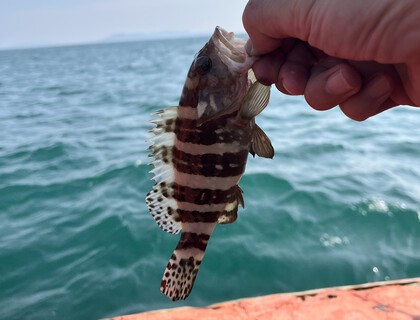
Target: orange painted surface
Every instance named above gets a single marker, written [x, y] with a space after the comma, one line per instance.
[397, 300]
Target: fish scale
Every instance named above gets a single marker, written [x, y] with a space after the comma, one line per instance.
[200, 149]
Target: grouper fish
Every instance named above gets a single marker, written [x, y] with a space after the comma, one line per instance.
[200, 149]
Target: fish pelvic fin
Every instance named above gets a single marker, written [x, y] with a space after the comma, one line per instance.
[160, 200]
[260, 143]
[181, 271]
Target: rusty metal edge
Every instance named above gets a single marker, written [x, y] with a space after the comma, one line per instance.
[361, 286]
[306, 293]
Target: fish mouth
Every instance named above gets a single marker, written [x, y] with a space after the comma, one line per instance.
[232, 50]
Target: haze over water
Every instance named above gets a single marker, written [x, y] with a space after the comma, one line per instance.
[339, 204]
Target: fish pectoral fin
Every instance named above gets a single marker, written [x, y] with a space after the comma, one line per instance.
[261, 144]
[251, 76]
[255, 101]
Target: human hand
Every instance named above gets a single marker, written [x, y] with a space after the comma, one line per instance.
[363, 55]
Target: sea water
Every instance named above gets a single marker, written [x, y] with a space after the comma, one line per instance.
[339, 204]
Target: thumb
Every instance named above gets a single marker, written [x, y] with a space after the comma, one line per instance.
[352, 30]
[264, 21]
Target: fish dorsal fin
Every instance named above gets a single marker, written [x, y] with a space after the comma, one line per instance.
[231, 211]
[255, 101]
[260, 143]
[160, 200]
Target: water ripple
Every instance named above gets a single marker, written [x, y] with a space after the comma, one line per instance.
[339, 203]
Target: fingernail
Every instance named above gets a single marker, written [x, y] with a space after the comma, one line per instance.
[379, 87]
[284, 84]
[337, 84]
[289, 85]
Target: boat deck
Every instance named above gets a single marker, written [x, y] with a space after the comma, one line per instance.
[390, 300]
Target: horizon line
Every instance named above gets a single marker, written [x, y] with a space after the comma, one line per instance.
[118, 38]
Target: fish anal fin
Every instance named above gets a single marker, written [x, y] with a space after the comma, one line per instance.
[261, 144]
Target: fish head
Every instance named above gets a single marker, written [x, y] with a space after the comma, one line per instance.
[218, 76]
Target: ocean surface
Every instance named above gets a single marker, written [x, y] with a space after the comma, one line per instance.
[339, 204]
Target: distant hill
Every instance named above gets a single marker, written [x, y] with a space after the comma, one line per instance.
[121, 37]
[127, 37]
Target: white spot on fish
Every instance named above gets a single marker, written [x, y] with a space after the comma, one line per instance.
[213, 102]
[201, 107]
[231, 206]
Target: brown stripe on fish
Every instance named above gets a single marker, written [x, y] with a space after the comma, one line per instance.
[204, 137]
[187, 129]
[212, 135]
[196, 216]
[210, 165]
[203, 196]
[185, 121]
[193, 240]
[192, 148]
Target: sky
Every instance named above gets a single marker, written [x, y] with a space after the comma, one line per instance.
[49, 22]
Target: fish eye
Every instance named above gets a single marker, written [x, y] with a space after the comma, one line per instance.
[203, 64]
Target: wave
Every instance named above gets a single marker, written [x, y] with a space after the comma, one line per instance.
[337, 205]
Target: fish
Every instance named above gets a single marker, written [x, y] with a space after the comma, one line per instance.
[200, 149]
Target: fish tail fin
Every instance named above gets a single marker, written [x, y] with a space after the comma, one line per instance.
[181, 271]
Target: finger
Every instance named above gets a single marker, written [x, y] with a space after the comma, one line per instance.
[372, 99]
[328, 87]
[268, 44]
[266, 69]
[294, 73]
[388, 104]
[292, 78]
